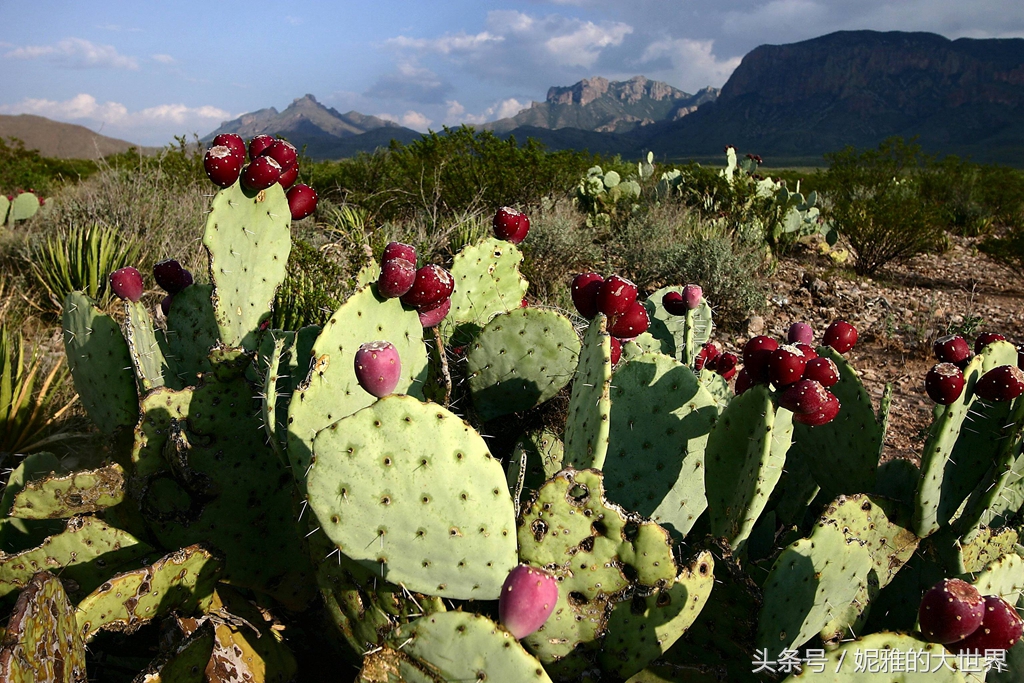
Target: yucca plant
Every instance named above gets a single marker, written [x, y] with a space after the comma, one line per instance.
[81, 258]
[26, 413]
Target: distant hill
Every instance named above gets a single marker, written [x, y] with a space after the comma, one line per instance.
[62, 140]
[324, 132]
[603, 106]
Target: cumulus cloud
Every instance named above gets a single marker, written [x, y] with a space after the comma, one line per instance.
[456, 114]
[691, 64]
[410, 119]
[411, 83]
[76, 53]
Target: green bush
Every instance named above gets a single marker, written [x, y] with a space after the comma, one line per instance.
[313, 288]
[877, 203]
[24, 169]
[559, 247]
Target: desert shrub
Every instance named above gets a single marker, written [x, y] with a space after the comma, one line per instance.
[26, 169]
[877, 205]
[313, 288]
[955, 189]
[559, 247]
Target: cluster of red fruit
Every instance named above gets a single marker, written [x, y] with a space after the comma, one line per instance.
[945, 381]
[126, 283]
[20, 192]
[956, 615]
[271, 160]
[428, 289]
[510, 225]
[616, 298]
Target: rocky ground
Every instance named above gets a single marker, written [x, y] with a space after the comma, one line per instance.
[899, 314]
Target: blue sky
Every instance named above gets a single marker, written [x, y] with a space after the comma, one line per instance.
[146, 71]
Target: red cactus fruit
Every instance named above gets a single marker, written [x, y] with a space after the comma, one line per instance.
[674, 303]
[632, 323]
[986, 338]
[951, 349]
[399, 250]
[786, 365]
[527, 599]
[725, 365]
[692, 295]
[1003, 383]
[232, 142]
[827, 413]
[807, 350]
[841, 336]
[743, 381]
[510, 225]
[616, 350]
[430, 316]
[756, 355]
[259, 144]
[707, 357]
[800, 333]
[288, 176]
[396, 278]
[165, 304]
[584, 289]
[302, 201]
[950, 611]
[524, 303]
[126, 284]
[944, 383]
[283, 152]
[378, 367]
[222, 166]
[616, 295]
[1001, 627]
[433, 285]
[823, 371]
[261, 174]
[171, 276]
[805, 397]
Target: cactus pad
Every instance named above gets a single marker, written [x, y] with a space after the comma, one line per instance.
[187, 662]
[890, 653]
[536, 457]
[586, 427]
[58, 496]
[411, 490]
[41, 642]
[23, 207]
[877, 524]
[192, 331]
[1004, 577]
[487, 282]
[660, 421]
[144, 344]
[668, 327]
[100, 364]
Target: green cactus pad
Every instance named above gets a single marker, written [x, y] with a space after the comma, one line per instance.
[274, 423]
[1014, 666]
[100, 364]
[192, 331]
[248, 238]
[455, 646]
[331, 391]
[645, 343]
[598, 552]
[812, 582]
[877, 524]
[5, 206]
[519, 360]
[843, 454]
[888, 654]
[744, 458]
[187, 662]
[660, 421]
[487, 282]
[16, 534]
[717, 386]
[23, 207]
[644, 628]
[41, 642]
[181, 581]
[795, 491]
[536, 457]
[666, 326]
[58, 496]
[367, 274]
[1003, 577]
[151, 367]
[586, 427]
[411, 490]
[85, 553]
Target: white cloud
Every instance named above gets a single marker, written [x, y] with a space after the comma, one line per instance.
[410, 119]
[583, 46]
[456, 113]
[448, 44]
[76, 53]
[775, 17]
[163, 59]
[692, 64]
[412, 83]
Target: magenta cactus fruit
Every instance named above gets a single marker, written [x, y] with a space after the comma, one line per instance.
[950, 611]
[951, 349]
[222, 166]
[510, 225]
[171, 277]
[126, 284]
[807, 350]
[584, 289]
[302, 200]
[430, 316]
[800, 333]
[707, 357]
[673, 303]
[288, 176]
[841, 336]
[743, 381]
[823, 371]
[232, 142]
[433, 284]
[261, 173]
[786, 365]
[527, 599]
[283, 152]
[259, 144]
[725, 365]
[944, 383]
[1003, 383]
[692, 295]
[616, 350]
[399, 250]
[397, 277]
[378, 367]
[616, 295]
[805, 397]
[632, 323]
[756, 355]
[1001, 627]
[986, 338]
[827, 413]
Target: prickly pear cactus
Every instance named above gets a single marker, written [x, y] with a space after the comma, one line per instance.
[891, 651]
[487, 282]
[144, 344]
[187, 662]
[62, 495]
[536, 457]
[411, 491]
[42, 642]
[5, 206]
[23, 207]
[519, 360]
[586, 427]
[674, 329]
[192, 331]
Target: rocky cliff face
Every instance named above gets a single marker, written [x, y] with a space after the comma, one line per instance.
[632, 91]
